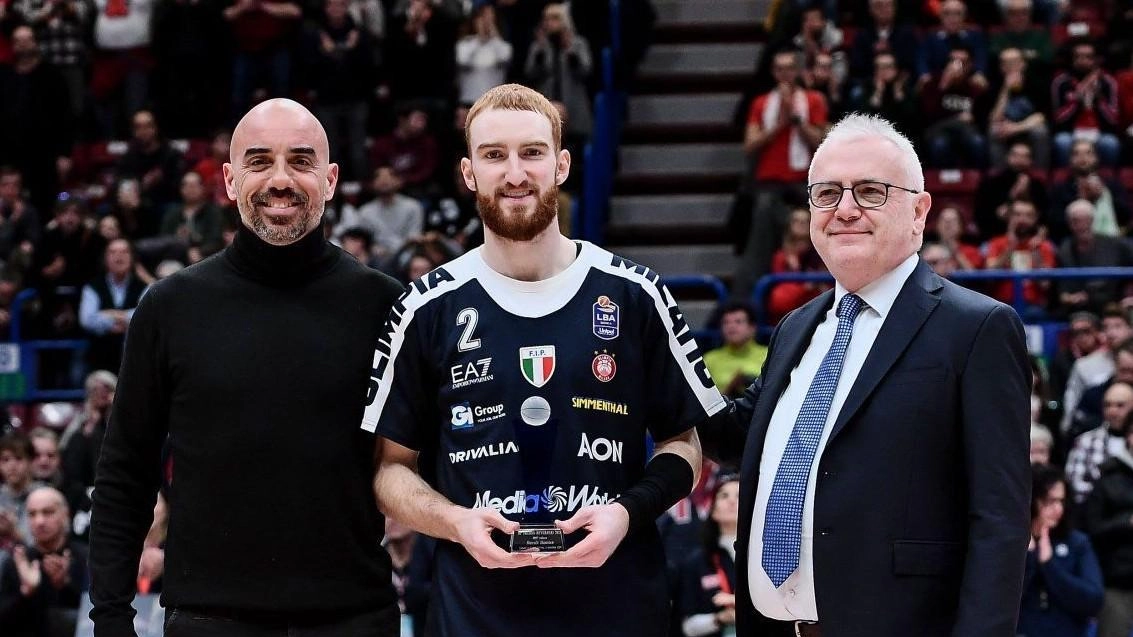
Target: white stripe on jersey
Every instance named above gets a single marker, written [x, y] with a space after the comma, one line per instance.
[710, 398]
[447, 278]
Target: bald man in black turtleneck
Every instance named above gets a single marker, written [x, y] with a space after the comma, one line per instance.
[253, 363]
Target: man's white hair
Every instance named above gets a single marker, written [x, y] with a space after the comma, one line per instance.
[859, 125]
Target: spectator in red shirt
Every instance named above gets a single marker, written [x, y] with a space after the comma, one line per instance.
[796, 255]
[1023, 247]
[950, 235]
[1084, 102]
[784, 126]
[209, 168]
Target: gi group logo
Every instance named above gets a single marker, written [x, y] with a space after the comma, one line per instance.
[553, 499]
[464, 415]
[605, 318]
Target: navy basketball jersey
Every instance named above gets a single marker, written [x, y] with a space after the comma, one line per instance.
[534, 398]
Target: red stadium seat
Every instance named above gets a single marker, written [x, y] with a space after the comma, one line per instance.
[1126, 178]
[952, 181]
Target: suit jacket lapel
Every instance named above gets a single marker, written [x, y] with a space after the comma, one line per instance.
[916, 301]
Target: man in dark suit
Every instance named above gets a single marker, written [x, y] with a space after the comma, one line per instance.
[884, 449]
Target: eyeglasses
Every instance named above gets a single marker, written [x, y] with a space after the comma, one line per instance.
[867, 194]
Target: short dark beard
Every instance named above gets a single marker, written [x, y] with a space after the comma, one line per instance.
[519, 225]
[278, 233]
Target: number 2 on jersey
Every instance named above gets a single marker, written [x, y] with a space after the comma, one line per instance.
[468, 318]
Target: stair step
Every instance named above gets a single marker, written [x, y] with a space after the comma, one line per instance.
[670, 83]
[673, 260]
[710, 12]
[717, 132]
[710, 108]
[681, 159]
[697, 314]
[668, 211]
[708, 32]
[701, 59]
[676, 184]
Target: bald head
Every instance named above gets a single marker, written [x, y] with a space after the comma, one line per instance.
[46, 496]
[273, 116]
[47, 518]
[279, 171]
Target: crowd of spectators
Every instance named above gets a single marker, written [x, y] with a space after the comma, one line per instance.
[116, 119]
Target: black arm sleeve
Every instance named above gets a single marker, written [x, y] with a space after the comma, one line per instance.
[668, 478]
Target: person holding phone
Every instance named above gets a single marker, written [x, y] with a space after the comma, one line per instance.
[1023, 247]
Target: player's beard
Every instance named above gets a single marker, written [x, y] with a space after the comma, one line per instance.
[521, 223]
[274, 230]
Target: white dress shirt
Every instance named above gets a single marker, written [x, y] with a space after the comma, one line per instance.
[794, 600]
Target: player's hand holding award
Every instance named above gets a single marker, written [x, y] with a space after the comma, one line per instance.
[606, 524]
[473, 530]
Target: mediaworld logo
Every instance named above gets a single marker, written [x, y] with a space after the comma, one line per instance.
[552, 499]
[483, 451]
[600, 449]
[471, 373]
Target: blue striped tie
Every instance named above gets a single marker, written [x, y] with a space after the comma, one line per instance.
[782, 526]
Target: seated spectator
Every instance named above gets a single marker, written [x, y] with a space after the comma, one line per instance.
[64, 260]
[1044, 410]
[1017, 113]
[11, 284]
[108, 304]
[888, 94]
[948, 100]
[482, 56]
[1108, 516]
[42, 585]
[454, 213]
[152, 162]
[137, 217]
[81, 442]
[707, 602]
[558, 66]
[1019, 33]
[936, 50]
[123, 60]
[16, 482]
[949, 233]
[1042, 442]
[46, 467]
[410, 150]
[419, 256]
[1092, 448]
[1062, 583]
[1085, 248]
[1085, 338]
[939, 258]
[795, 254]
[1085, 107]
[358, 242]
[1022, 248]
[821, 36]
[821, 76]
[1091, 375]
[1000, 187]
[19, 220]
[739, 361]
[209, 168]
[391, 217]
[1111, 201]
[195, 222]
[341, 78]
[883, 35]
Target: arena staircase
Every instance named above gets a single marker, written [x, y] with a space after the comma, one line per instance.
[680, 157]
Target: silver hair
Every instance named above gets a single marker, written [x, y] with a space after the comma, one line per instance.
[1081, 204]
[101, 377]
[858, 125]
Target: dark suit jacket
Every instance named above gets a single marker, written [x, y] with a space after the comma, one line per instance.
[922, 502]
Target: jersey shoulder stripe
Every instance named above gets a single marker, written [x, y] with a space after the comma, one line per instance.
[682, 346]
[434, 285]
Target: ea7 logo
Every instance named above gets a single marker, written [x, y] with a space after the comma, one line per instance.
[470, 373]
[600, 449]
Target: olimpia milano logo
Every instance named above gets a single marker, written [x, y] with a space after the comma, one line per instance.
[553, 499]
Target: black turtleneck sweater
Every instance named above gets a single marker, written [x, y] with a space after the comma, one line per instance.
[254, 363]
